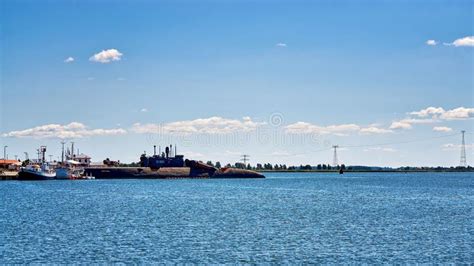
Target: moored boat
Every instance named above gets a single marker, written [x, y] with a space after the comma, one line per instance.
[69, 170]
[63, 173]
[37, 171]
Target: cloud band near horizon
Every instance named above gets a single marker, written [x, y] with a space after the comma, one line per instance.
[220, 125]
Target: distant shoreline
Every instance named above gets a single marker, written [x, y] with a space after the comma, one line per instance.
[14, 175]
[368, 171]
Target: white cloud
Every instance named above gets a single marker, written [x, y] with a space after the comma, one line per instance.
[458, 114]
[442, 129]
[143, 110]
[90, 78]
[455, 147]
[420, 121]
[146, 128]
[431, 42]
[308, 128]
[106, 56]
[280, 44]
[440, 113]
[69, 60]
[71, 130]
[374, 130]
[211, 125]
[339, 130]
[429, 112]
[433, 115]
[467, 41]
[408, 123]
[400, 125]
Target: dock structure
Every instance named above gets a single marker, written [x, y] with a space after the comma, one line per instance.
[9, 165]
[8, 175]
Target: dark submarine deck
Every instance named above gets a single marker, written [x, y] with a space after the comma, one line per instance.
[167, 172]
[166, 166]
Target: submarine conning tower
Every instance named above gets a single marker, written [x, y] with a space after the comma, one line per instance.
[174, 165]
[165, 159]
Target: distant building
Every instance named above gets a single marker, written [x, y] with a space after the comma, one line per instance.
[82, 158]
[9, 164]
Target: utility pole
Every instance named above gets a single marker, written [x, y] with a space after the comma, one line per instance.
[245, 159]
[5, 156]
[334, 159]
[463, 161]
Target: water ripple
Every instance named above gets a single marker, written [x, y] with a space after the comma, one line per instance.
[286, 218]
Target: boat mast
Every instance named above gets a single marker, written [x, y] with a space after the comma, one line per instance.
[62, 154]
[43, 152]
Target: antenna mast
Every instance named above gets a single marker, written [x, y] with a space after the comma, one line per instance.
[43, 153]
[335, 162]
[463, 162]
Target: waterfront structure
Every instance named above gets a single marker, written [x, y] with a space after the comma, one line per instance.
[166, 165]
[9, 164]
[82, 159]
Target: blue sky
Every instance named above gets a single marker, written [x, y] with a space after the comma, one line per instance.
[285, 80]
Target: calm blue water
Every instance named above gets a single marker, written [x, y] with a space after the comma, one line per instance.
[292, 218]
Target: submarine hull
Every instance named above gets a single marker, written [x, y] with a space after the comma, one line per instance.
[167, 172]
[236, 173]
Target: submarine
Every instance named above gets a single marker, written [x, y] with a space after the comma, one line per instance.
[164, 166]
